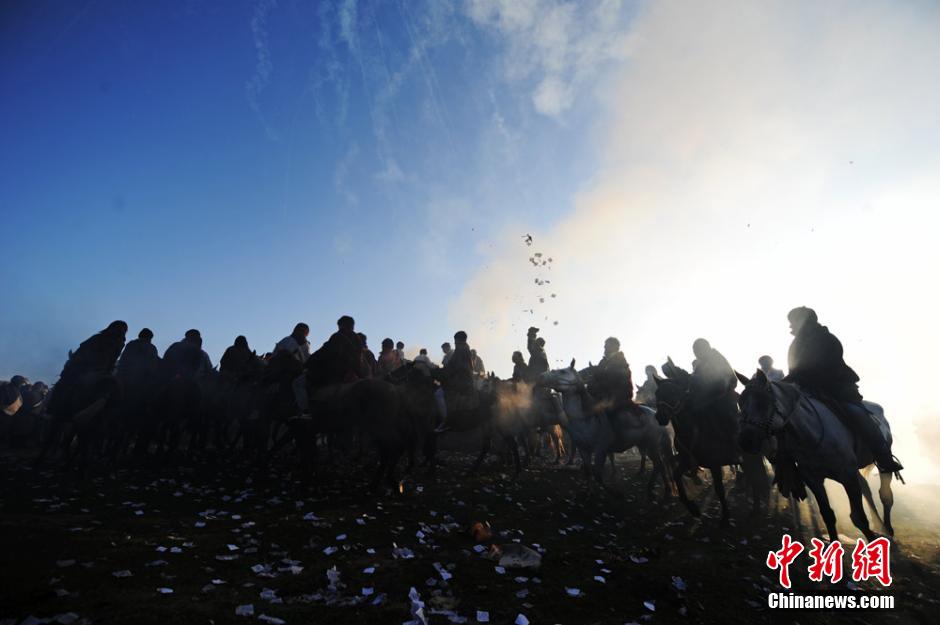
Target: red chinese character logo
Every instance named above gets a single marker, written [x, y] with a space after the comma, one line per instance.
[872, 560]
[826, 562]
[783, 558]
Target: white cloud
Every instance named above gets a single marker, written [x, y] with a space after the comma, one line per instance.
[558, 45]
[755, 157]
[263, 66]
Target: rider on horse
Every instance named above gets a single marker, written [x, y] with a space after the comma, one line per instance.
[817, 366]
[456, 377]
[612, 380]
[90, 367]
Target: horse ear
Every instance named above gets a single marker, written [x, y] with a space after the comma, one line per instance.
[761, 378]
[743, 379]
[572, 363]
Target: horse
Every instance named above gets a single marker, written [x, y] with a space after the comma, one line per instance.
[596, 435]
[707, 438]
[811, 435]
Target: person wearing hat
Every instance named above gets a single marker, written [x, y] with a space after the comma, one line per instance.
[389, 358]
[817, 365]
[538, 359]
[339, 360]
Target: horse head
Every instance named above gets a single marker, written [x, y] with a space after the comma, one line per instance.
[562, 380]
[671, 396]
[758, 408]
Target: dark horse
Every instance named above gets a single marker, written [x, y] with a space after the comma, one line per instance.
[707, 437]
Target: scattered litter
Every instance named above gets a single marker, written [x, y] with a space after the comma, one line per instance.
[678, 583]
[245, 610]
[521, 619]
[367, 591]
[519, 557]
[600, 578]
[650, 605]
[165, 591]
[500, 570]
[124, 573]
[483, 616]
[573, 592]
[271, 619]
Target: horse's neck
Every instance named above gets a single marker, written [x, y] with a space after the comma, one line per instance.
[573, 405]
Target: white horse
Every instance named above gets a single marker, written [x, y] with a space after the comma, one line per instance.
[596, 435]
[809, 433]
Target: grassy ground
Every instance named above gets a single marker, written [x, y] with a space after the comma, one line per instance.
[201, 528]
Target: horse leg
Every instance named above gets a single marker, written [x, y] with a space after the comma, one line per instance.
[484, 451]
[691, 506]
[513, 445]
[643, 463]
[866, 492]
[822, 502]
[887, 500]
[718, 475]
[854, 491]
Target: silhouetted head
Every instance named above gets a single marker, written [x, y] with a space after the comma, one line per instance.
[362, 337]
[765, 362]
[533, 331]
[800, 317]
[651, 371]
[117, 327]
[146, 334]
[387, 344]
[445, 347]
[346, 323]
[611, 346]
[301, 331]
[423, 351]
[700, 347]
[192, 334]
[473, 352]
[517, 358]
[19, 380]
[460, 337]
[241, 341]
[399, 345]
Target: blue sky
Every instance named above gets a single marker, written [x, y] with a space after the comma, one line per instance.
[240, 166]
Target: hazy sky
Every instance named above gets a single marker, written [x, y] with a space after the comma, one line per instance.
[692, 170]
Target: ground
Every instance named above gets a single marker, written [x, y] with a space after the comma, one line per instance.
[220, 536]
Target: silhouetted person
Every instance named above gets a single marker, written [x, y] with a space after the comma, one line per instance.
[140, 358]
[423, 362]
[369, 362]
[712, 377]
[93, 361]
[296, 343]
[448, 352]
[476, 363]
[400, 349]
[238, 361]
[612, 378]
[389, 359]
[538, 359]
[456, 377]
[816, 363]
[646, 394]
[766, 364]
[339, 360]
[184, 358]
[520, 370]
